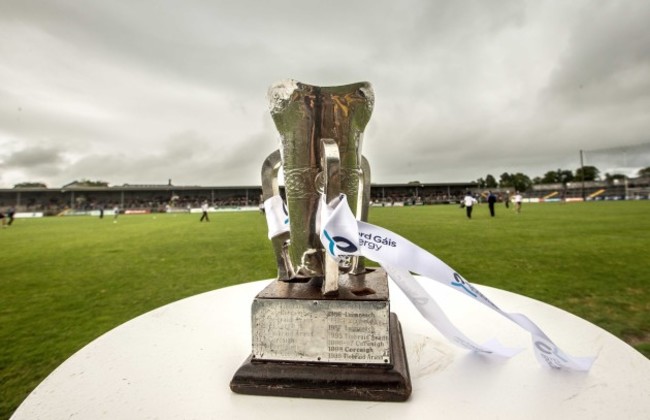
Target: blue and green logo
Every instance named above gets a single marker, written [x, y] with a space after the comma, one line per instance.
[341, 243]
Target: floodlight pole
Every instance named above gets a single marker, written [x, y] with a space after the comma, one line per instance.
[582, 170]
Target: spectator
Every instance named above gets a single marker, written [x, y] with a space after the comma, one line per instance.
[10, 215]
[518, 200]
[204, 208]
[468, 203]
[492, 199]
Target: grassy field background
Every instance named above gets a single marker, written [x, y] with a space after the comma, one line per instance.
[64, 281]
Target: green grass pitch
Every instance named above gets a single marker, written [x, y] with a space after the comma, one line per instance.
[66, 280]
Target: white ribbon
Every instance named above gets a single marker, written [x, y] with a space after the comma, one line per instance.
[431, 311]
[343, 235]
[277, 217]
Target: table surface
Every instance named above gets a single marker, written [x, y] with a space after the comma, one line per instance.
[176, 362]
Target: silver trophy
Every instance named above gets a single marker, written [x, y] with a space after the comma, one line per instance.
[321, 133]
[324, 329]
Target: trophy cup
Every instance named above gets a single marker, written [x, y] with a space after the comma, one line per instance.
[324, 328]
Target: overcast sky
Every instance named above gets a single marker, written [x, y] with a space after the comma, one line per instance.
[141, 92]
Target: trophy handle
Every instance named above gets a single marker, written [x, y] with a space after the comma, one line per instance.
[270, 188]
[270, 169]
[331, 176]
[363, 198]
[357, 264]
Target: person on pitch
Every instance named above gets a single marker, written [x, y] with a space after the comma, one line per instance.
[491, 199]
[204, 208]
[518, 201]
[468, 203]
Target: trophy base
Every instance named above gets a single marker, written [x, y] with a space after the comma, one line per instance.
[343, 381]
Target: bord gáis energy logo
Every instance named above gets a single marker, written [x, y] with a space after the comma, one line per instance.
[285, 210]
[550, 353]
[375, 242]
[341, 243]
[461, 283]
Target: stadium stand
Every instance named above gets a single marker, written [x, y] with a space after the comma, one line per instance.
[629, 189]
[162, 198]
[73, 197]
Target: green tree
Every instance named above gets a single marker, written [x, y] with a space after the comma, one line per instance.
[30, 185]
[644, 171]
[505, 180]
[490, 181]
[590, 173]
[550, 177]
[521, 182]
[89, 183]
[561, 176]
[564, 176]
[612, 177]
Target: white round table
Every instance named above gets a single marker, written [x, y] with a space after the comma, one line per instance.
[176, 362]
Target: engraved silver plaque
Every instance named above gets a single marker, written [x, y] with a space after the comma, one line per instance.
[321, 331]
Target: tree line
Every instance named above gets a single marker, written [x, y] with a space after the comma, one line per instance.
[517, 181]
[522, 182]
[82, 183]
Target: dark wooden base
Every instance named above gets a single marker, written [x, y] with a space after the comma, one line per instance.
[367, 382]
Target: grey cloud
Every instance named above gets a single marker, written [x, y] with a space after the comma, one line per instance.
[35, 157]
[37, 163]
[608, 58]
[52, 124]
[186, 158]
[146, 91]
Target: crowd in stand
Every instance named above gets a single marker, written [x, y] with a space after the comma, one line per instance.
[406, 197]
[411, 200]
[154, 205]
